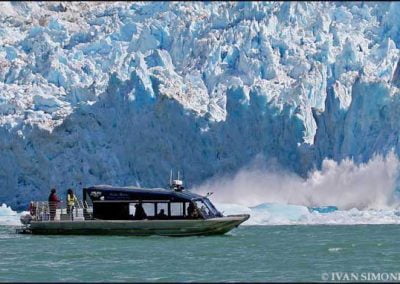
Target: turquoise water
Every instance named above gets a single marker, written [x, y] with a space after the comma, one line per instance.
[248, 253]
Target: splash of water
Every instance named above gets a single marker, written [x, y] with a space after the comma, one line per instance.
[345, 184]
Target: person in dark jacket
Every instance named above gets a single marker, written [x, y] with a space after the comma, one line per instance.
[140, 214]
[162, 215]
[53, 203]
[192, 211]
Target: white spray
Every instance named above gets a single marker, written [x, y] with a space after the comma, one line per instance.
[345, 185]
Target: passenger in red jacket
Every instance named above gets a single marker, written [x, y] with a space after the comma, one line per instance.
[53, 203]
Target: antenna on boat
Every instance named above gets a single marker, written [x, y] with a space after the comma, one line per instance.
[176, 184]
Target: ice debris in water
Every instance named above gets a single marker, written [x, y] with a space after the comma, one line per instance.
[284, 214]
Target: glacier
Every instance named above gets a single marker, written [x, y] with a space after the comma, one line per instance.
[120, 93]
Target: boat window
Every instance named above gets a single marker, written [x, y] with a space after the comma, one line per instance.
[148, 209]
[210, 206]
[132, 209]
[111, 210]
[205, 208]
[176, 209]
[163, 206]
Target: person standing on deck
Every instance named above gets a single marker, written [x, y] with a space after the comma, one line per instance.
[53, 203]
[140, 214]
[71, 200]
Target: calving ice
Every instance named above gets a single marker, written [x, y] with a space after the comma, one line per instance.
[108, 210]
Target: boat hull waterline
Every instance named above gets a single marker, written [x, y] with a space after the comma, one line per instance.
[213, 226]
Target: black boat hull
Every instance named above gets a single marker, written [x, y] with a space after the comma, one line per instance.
[213, 226]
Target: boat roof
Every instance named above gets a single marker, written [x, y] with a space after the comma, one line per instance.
[184, 194]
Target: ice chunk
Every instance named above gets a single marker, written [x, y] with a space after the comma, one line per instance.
[9, 217]
[324, 209]
[46, 103]
[268, 214]
[274, 213]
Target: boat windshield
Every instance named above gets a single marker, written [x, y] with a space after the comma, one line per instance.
[206, 208]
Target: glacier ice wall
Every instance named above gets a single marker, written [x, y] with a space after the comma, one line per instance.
[121, 93]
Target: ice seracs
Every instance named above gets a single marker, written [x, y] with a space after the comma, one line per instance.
[88, 88]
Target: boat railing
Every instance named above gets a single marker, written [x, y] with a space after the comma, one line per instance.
[58, 211]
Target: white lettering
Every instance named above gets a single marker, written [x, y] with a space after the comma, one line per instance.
[394, 276]
[363, 276]
[337, 276]
[384, 276]
[354, 276]
[375, 277]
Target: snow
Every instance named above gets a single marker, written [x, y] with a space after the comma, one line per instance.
[120, 92]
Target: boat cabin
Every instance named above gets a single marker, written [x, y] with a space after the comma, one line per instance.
[132, 203]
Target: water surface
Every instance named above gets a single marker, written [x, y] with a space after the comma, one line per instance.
[248, 253]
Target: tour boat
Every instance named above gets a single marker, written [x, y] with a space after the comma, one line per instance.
[109, 210]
